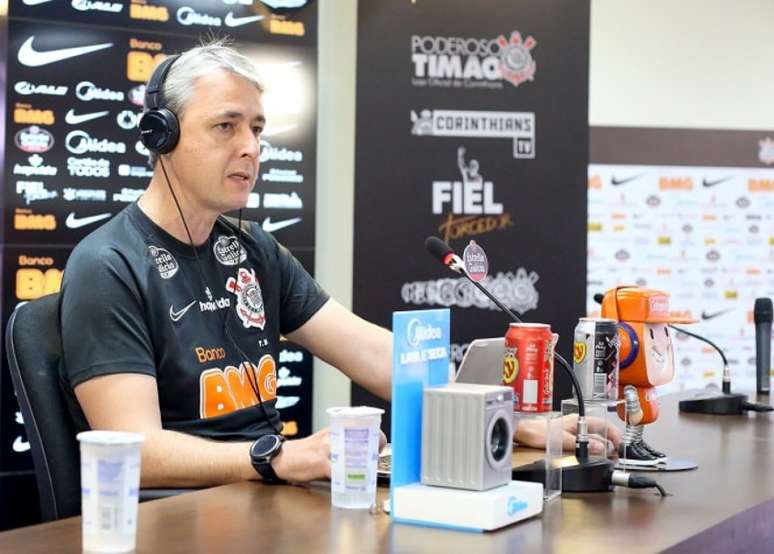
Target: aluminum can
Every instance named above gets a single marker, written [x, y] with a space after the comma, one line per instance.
[528, 366]
[595, 358]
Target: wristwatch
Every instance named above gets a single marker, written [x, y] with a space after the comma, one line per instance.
[262, 452]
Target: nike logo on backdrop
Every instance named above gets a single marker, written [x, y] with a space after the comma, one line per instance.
[705, 316]
[615, 182]
[708, 183]
[232, 21]
[20, 445]
[73, 119]
[32, 58]
[73, 222]
[176, 315]
[270, 226]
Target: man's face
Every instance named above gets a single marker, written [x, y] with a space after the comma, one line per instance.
[216, 161]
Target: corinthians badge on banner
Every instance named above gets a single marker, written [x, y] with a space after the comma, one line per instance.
[476, 263]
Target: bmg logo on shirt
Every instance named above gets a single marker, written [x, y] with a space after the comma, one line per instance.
[222, 391]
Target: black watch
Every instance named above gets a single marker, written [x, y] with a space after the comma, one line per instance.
[262, 452]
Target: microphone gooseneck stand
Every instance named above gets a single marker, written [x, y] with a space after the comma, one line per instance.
[585, 475]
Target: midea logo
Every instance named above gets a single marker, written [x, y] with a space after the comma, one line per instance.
[416, 332]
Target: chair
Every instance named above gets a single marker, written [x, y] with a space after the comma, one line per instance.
[33, 342]
[34, 347]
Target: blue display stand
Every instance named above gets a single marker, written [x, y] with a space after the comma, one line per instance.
[420, 360]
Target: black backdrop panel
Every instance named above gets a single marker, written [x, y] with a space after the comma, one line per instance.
[72, 97]
[472, 125]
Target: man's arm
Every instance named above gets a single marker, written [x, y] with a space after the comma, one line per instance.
[129, 402]
[362, 350]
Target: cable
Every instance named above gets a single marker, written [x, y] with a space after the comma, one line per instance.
[756, 407]
[626, 479]
[251, 378]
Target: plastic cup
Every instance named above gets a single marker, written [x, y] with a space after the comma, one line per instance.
[110, 486]
[354, 455]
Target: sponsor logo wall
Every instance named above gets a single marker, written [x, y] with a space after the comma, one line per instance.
[72, 160]
[474, 127]
[688, 212]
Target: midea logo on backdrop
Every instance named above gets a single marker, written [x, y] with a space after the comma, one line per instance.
[87, 91]
[80, 142]
[472, 198]
[520, 126]
[472, 62]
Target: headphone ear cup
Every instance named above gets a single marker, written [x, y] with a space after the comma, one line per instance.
[630, 344]
[159, 130]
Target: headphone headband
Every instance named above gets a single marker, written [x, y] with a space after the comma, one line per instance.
[153, 93]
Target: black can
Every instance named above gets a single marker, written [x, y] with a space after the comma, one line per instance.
[595, 358]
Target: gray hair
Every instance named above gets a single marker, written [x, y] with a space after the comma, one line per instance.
[198, 62]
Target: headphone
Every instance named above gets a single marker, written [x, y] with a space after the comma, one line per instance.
[629, 340]
[159, 127]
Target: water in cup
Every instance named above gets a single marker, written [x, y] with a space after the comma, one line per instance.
[354, 455]
[110, 484]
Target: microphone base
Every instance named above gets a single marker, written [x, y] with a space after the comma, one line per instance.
[594, 476]
[719, 404]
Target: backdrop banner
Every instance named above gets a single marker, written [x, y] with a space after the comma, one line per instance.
[72, 78]
[472, 125]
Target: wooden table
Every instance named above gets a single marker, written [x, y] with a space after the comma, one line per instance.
[727, 505]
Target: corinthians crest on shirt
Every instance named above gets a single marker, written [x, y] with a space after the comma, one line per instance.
[249, 308]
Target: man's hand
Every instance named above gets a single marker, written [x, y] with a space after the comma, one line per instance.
[305, 459]
[532, 433]
[309, 458]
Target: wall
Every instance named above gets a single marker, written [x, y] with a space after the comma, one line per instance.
[661, 63]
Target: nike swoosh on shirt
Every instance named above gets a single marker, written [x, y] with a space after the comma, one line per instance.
[73, 222]
[33, 58]
[20, 445]
[616, 182]
[232, 21]
[708, 183]
[176, 315]
[73, 119]
[270, 226]
[705, 316]
[35, 2]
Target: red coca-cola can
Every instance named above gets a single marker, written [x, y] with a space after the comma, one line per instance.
[528, 366]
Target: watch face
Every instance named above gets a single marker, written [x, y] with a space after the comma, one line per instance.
[265, 445]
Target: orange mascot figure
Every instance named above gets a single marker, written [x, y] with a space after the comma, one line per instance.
[646, 361]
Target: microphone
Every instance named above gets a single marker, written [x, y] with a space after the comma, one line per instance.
[444, 254]
[763, 317]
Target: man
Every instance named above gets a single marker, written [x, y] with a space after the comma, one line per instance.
[172, 314]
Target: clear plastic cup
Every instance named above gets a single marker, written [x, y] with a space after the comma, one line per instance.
[354, 455]
[110, 487]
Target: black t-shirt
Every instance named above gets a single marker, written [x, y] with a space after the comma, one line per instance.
[135, 300]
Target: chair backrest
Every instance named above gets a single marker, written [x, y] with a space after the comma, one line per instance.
[34, 348]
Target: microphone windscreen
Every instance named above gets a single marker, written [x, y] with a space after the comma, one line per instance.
[763, 310]
[598, 298]
[438, 248]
